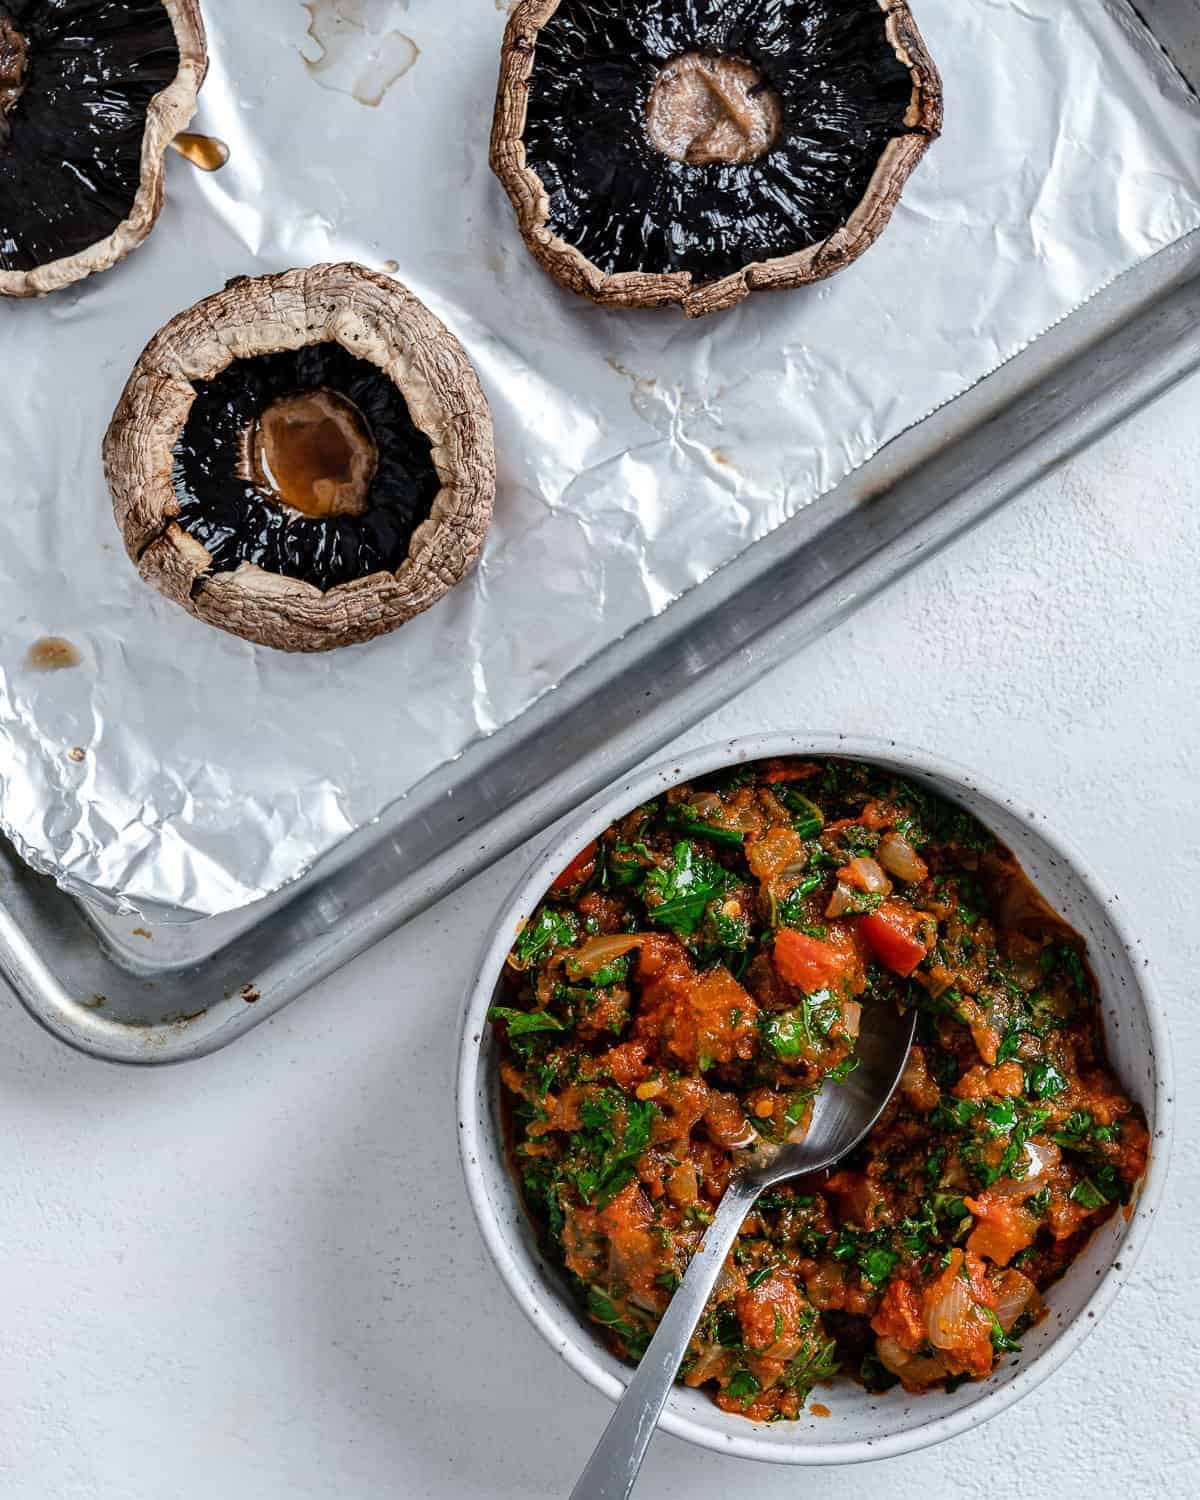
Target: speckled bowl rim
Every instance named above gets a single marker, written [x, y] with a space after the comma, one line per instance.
[565, 1335]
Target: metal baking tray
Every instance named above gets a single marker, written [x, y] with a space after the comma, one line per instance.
[141, 990]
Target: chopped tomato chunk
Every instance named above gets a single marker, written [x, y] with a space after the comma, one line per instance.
[809, 963]
[1002, 1229]
[899, 1315]
[891, 935]
[771, 1316]
[579, 868]
[774, 852]
[791, 772]
[686, 1016]
[1005, 1082]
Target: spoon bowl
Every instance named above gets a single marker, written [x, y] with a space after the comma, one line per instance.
[842, 1116]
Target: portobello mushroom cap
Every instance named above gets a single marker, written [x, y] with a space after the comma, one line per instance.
[690, 152]
[304, 460]
[92, 92]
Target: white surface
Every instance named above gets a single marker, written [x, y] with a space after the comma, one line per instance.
[219, 1283]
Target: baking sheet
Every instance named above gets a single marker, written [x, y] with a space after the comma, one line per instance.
[638, 453]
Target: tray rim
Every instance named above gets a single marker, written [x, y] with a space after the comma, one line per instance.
[1119, 364]
[1125, 391]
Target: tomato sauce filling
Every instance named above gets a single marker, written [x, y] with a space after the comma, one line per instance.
[691, 981]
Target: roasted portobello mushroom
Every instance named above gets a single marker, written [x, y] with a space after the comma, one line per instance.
[690, 152]
[91, 94]
[304, 460]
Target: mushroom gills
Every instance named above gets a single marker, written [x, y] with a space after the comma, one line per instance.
[307, 464]
[628, 205]
[78, 77]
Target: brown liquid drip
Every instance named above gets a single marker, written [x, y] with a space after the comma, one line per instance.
[52, 654]
[203, 151]
[315, 452]
[712, 109]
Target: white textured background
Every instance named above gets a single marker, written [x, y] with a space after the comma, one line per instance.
[257, 1277]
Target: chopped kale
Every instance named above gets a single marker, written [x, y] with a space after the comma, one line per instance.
[684, 820]
[678, 892]
[809, 819]
[523, 1022]
[550, 930]
[742, 1386]
[1044, 1081]
[790, 911]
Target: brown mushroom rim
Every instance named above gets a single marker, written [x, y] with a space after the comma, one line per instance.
[373, 319]
[315, 451]
[14, 65]
[706, 110]
[169, 111]
[572, 268]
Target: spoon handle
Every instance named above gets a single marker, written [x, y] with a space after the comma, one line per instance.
[613, 1467]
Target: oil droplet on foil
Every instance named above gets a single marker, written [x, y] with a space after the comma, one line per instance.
[362, 54]
[52, 654]
[203, 151]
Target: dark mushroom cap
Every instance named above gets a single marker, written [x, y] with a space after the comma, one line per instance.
[611, 218]
[375, 320]
[109, 84]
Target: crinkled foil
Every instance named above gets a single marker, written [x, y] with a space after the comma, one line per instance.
[638, 452]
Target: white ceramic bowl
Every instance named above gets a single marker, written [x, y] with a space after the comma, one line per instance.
[861, 1426]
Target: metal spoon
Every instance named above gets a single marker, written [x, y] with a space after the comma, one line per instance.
[842, 1116]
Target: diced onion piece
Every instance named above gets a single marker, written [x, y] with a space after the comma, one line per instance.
[915, 1370]
[851, 1018]
[866, 875]
[708, 807]
[798, 1131]
[949, 1315]
[841, 901]
[1026, 970]
[599, 951]
[1016, 1296]
[683, 1187]
[711, 1362]
[899, 858]
[726, 1124]
[1042, 1158]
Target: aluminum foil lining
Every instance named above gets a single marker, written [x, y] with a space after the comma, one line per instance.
[638, 452]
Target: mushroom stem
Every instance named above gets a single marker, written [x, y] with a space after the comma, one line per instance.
[712, 109]
[315, 451]
[14, 65]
